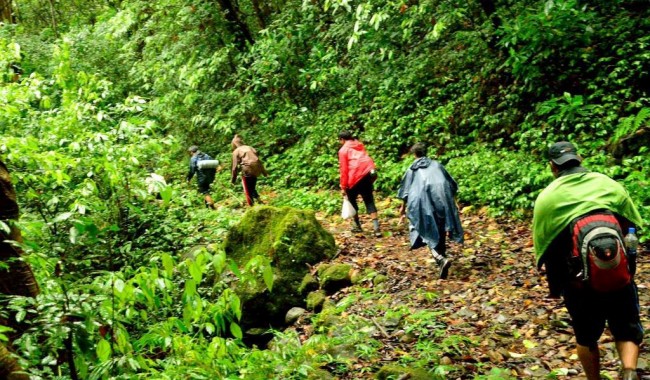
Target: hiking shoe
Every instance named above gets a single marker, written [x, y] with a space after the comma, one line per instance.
[377, 233]
[630, 374]
[356, 229]
[444, 265]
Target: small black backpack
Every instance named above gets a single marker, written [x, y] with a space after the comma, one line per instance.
[207, 165]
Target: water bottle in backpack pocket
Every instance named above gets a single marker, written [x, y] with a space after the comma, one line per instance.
[598, 246]
[631, 246]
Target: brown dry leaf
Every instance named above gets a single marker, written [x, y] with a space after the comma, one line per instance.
[494, 295]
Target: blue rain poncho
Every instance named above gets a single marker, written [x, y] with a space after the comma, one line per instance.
[429, 191]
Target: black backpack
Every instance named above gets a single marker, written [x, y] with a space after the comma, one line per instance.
[209, 172]
[599, 251]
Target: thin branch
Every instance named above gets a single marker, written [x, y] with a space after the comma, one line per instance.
[53, 14]
[381, 329]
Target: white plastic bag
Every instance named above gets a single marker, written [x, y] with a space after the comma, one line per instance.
[347, 211]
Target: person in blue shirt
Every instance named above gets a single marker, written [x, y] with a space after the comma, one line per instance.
[204, 177]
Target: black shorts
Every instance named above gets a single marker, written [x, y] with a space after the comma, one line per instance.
[590, 310]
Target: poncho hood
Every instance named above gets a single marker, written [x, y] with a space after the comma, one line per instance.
[421, 163]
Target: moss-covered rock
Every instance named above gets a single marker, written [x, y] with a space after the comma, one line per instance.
[319, 374]
[329, 305]
[322, 268]
[356, 276]
[342, 352]
[290, 239]
[379, 279]
[327, 318]
[294, 315]
[399, 372]
[308, 284]
[315, 300]
[335, 277]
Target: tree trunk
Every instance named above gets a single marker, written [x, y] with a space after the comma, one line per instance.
[237, 27]
[53, 16]
[20, 279]
[9, 368]
[6, 12]
[262, 14]
[17, 278]
[490, 10]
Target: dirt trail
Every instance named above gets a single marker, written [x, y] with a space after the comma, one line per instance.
[494, 295]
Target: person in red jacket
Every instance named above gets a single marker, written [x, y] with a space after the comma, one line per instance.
[357, 176]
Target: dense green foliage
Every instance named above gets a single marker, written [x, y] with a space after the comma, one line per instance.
[394, 72]
[112, 91]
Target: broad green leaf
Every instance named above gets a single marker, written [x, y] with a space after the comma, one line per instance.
[234, 268]
[4, 227]
[195, 272]
[103, 350]
[4, 329]
[20, 315]
[267, 274]
[219, 261]
[74, 234]
[166, 194]
[235, 306]
[168, 264]
[119, 285]
[61, 217]
[219, 321]
[235, 330]
[190, 288]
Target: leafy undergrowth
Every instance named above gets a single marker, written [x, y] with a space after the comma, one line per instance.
[491, 319]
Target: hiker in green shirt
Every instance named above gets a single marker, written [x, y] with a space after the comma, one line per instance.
[575, 195]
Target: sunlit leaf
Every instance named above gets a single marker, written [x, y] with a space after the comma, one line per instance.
[235, 330]
[103, 350]
[168, 264]
[267, 274]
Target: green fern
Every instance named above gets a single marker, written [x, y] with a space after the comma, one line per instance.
[631, 124]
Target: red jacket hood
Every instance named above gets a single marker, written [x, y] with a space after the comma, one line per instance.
[354, 144]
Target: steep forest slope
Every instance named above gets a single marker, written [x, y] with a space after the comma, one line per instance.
[488, 83]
